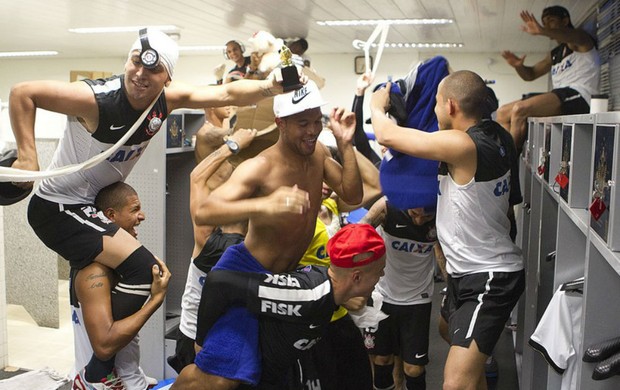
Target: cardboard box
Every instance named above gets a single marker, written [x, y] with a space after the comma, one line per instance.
[76, 75]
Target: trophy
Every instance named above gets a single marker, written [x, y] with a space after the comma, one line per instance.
[290, 77]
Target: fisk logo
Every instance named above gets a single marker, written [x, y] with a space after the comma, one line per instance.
[282, 280]
[280, 308]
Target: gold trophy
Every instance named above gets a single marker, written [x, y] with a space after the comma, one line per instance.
[290, 77]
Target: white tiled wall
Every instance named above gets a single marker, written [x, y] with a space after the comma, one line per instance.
[4, 354]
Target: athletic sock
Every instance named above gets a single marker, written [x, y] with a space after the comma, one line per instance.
[134, 286]
[383, 377]
[417, 382]
[97, 369]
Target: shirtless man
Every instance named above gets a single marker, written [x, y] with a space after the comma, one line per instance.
[279, 192]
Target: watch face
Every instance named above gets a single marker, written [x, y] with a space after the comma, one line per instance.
[233, 146]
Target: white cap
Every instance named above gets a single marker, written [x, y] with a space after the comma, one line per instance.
[305, 98]
[164, 45]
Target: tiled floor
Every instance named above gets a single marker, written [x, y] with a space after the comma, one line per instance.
[33, 347]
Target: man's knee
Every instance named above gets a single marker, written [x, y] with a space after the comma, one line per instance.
[520, 110]
[383, 360]
[504, 113]
[413, 370]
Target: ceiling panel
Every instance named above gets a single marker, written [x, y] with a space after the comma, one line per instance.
[481, 25]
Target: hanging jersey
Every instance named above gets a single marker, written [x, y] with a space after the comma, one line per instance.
[472, 222]
[77, 145]
[576, 70]
[410, 265]
[557, 336]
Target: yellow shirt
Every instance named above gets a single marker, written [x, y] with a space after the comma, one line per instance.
[317, 250]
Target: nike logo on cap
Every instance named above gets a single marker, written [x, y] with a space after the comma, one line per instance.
[300, 95]
[112, 127]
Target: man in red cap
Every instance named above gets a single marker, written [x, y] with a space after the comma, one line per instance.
[294, 308]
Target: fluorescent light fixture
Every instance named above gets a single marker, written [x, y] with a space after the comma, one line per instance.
[28, 53]
[373, 22]
[359, 44]
[202, 48]
[99, 30]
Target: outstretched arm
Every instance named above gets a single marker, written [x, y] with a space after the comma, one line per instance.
[376, 214]
[75, 99]
[240, 93]
[370, 184]
[527, 73]
[450, 146]
[346, 180]
[199, 186]
[360, 138]
[575, 36]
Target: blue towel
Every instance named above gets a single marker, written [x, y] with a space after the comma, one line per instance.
[231, 349]
[407, 181]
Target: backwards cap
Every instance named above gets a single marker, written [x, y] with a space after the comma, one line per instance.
[352, 240]
[164, 45]
[305, 98]
[557, 10]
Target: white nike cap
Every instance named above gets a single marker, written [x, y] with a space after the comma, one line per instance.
[305, 98]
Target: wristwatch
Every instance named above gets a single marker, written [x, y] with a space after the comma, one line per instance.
[232, 145]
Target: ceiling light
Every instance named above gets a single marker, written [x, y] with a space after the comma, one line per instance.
[28, 53]
[99, 30]
[202, 48]
[358, 44]
[373, 22]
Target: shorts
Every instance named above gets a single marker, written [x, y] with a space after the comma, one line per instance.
[74, 231]
[405, 332]
[572, 101]
[230, 349]
[447, 306]
[342, 339]
[483, 303]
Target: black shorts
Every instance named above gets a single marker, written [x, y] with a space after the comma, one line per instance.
[340, 358]
[404, 332]
[572, 101]
[75, 232]
[483, 303]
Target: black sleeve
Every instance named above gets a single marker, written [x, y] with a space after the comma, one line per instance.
[359, 138]
[292, 297]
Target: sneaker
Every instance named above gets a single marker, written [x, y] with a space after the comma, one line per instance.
[111, 382]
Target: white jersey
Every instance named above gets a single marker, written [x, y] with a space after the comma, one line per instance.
[576, 70]
[472, 221]
[126, 360]
[77, 145]
[410, 259]
[191, 300]
[557, 336]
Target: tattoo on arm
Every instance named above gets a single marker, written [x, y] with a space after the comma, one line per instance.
[95, 280]
[267, 91]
